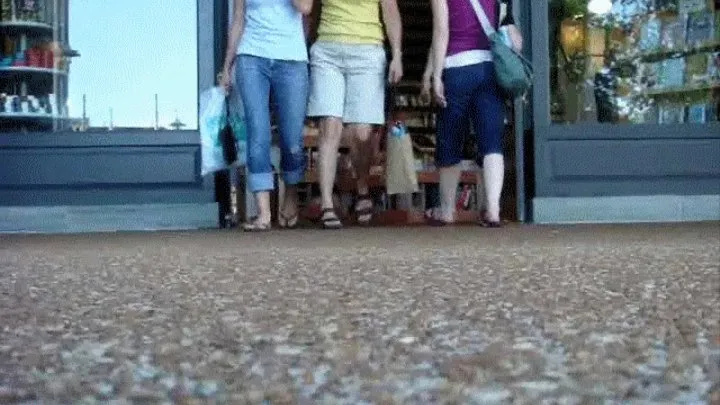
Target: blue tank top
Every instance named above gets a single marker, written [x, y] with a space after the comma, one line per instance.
[274, 30]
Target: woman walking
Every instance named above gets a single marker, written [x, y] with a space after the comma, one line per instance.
[348, 68]
[267, 51]
[464, 84]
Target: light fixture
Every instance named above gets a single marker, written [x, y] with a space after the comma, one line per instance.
[572, 36]
[600, 6]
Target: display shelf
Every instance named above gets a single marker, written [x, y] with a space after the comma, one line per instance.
[684, 89]
[418, 109]
[20, 71]
[26, 26]
[664, 53]
[422, 130]
[676, 81]
[30, 116]
[36, 59]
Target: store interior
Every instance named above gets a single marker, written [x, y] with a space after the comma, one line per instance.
[405, 104]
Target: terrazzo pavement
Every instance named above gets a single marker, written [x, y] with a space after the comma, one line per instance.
[621, 314]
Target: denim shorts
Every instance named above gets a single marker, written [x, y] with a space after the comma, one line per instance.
[471, 92]
[347, 81]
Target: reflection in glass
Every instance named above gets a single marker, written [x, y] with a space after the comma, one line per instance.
[634, 61]
[98, 65]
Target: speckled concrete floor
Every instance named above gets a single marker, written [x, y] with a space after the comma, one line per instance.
[524, 315]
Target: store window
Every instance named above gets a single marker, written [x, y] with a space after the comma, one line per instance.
[634, 61]
[98, 65]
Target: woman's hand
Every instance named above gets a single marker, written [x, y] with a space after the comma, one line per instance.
[225, 78]
[515, 38]
[395, 70]
[303, 6]
[439, 91]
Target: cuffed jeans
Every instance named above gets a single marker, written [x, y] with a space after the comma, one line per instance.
[289, 82]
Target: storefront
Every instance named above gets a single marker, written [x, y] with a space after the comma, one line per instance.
[98, 119]
[625, 110]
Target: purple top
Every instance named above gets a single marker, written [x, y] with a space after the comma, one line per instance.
[466, 33]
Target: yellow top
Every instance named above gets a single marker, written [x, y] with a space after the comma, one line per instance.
[351, 22]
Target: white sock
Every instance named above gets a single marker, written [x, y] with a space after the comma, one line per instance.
[494, 171]
[480, 190]
[449, 179]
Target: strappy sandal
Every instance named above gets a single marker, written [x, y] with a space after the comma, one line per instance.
[364, 215]
[256, 226]
[330, 219]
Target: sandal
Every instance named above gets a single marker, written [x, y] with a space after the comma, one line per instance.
[364, 215]
[433, 218]
[329, 219]
[256, 226]
[288, 222]
[485, 223]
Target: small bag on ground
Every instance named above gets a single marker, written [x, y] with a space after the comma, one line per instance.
[400, 173]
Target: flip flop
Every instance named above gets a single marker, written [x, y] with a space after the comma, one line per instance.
[288, 222]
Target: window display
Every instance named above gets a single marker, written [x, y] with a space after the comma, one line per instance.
[634, 61]
[98, 65]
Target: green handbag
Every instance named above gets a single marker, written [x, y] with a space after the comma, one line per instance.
[514, 73]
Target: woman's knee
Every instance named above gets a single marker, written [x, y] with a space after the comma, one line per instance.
[331, 129]
[360, 132]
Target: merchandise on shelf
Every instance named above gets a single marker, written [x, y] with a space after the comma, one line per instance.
[26, 105]
[22, 10]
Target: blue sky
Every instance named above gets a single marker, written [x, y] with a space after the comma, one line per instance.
[130, 50]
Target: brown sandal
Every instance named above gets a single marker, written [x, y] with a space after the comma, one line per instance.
[330, 219]
[365, 214]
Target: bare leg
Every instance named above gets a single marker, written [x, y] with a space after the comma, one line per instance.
[494, 170]
[480, 194]
[289, 211]
[362, 159]
[449, 179]
[262, 222]
[361, 154]
[330, 134]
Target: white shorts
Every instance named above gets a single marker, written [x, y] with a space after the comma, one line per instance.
[348, 81]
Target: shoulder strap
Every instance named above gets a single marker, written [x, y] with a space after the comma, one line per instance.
[487, 27]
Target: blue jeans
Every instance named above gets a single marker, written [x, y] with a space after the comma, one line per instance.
[289, 82]
[471, 91]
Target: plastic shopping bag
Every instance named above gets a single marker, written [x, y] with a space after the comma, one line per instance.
[236, 116]
[215, 115]
[400, 173]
